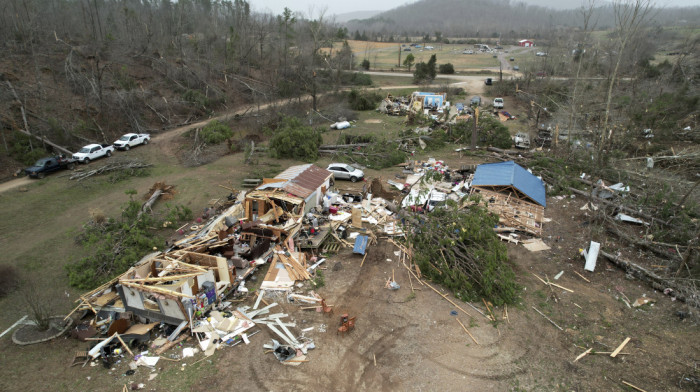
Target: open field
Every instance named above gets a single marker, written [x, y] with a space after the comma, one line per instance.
[384, 55]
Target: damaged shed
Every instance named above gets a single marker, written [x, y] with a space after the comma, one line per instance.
[513, 193]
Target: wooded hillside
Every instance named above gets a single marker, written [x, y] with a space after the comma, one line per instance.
[89, 70]
[496, 18]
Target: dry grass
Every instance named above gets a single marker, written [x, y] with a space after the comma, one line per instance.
[385, 55]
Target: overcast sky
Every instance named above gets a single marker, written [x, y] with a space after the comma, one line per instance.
[342, 7]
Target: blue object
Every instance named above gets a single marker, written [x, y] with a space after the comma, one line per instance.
[511, 174]
[454, 312]
[360, 244]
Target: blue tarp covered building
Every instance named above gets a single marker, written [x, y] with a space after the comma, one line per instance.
[509, 177]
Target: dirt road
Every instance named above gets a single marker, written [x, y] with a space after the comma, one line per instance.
[473, 84]
[12, 184]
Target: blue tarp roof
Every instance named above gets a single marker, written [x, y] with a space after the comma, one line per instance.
[511, 174]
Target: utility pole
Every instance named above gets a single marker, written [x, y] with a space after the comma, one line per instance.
[476, 122]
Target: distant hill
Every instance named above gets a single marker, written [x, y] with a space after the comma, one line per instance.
[348, 16]
[494, 18]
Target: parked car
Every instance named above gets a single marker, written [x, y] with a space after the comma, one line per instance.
[475, 101]
[131, 140]
[92, 152]
[342, 171]
[428, 47]
[541, 74]
[516, 68]
[469, 51]
[44, 166]
[498, 103]
[488, 81]
[406, 49]
[541, 54]
[512, 59]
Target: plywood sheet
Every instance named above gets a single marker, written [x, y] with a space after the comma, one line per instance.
[140, 329]
[535, 245]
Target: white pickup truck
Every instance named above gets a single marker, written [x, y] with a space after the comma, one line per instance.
[498, 103]
[131, 140]
[92, 152]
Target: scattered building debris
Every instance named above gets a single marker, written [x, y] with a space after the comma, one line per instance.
[591, 256]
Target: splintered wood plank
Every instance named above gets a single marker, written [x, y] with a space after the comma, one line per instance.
[620, 347]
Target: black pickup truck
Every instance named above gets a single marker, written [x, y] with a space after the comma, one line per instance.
[48, 165]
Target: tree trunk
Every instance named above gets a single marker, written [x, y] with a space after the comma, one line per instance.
[24, 115]
[149, 203]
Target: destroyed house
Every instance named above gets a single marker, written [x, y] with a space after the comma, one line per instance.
[164, 287]
[271, 213]
[308, 182]
[427, 100]
[171, 290]
[513, 193]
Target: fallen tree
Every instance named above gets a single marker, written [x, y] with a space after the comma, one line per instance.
[129, 167]
[112, 245]
[459, 249]
[687, 293]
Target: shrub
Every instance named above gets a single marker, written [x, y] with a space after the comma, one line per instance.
[293, 139]
[356, 79]
[365, 64]
[216, 132]
[363, 100]
[446, 68]
[8, 279]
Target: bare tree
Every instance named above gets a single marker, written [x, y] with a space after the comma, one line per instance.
[630, 15]
[586, 13]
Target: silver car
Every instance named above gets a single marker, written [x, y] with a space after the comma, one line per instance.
[342, 171]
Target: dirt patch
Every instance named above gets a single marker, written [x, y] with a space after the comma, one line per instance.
[15, 183]
[373, 121]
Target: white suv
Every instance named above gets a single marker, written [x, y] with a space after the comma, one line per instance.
[344, 171]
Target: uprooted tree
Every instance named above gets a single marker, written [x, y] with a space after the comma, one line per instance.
[459, 249]
[113, 245]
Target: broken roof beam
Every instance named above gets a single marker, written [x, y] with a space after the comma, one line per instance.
[156, 289]
[162, 278]
[281, 335]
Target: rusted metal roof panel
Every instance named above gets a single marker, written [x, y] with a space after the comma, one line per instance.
[304, 179]
[292, 172]
[297, 190]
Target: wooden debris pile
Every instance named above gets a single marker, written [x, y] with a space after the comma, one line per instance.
[127, 166]
[515, 214]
